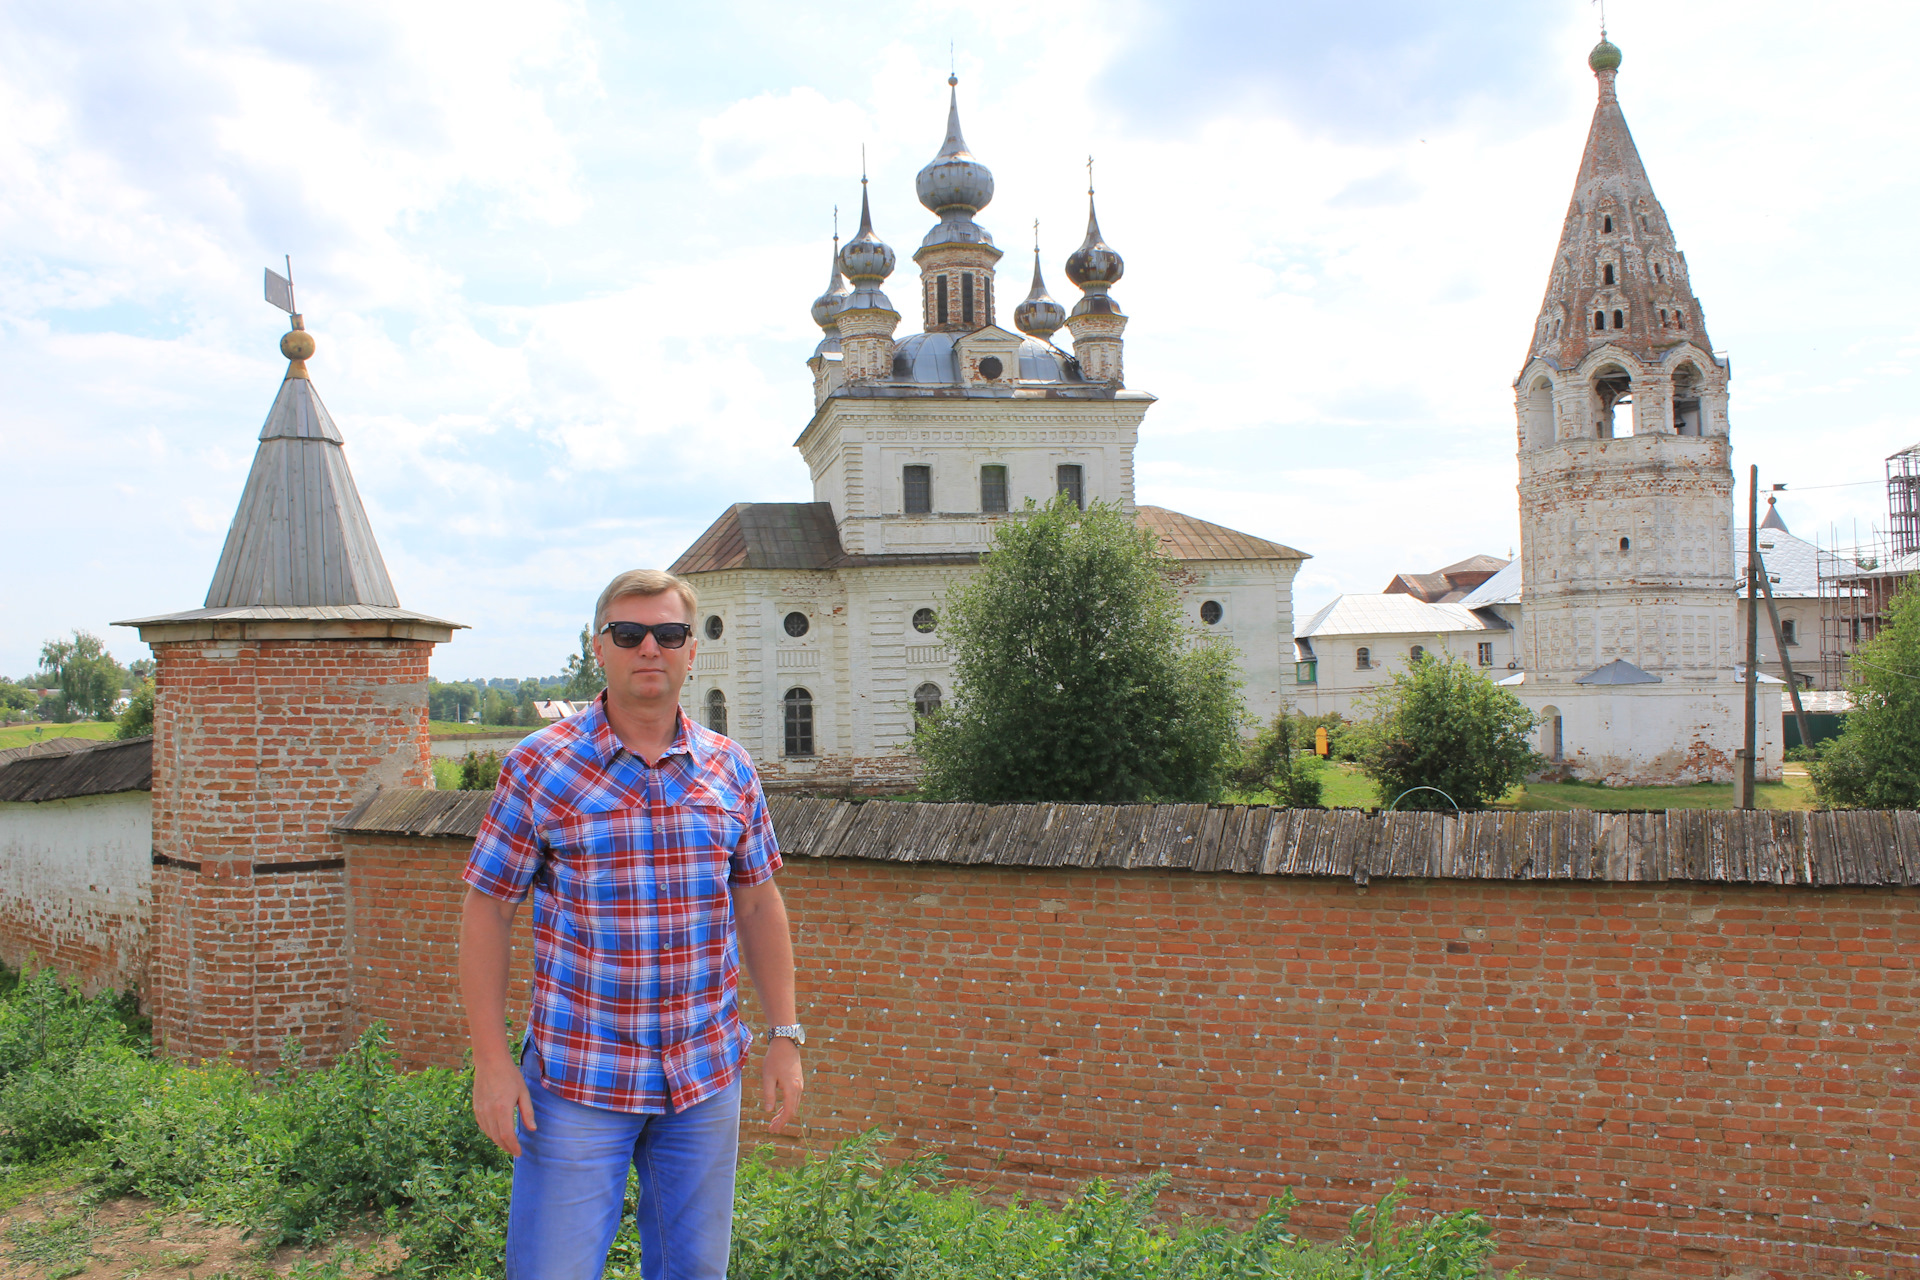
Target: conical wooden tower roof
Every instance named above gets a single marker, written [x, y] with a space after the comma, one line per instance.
[300, 547]
[1618, 277]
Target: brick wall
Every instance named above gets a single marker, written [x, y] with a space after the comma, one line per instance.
[405, 898]
[1631, 1079]
[259, 746]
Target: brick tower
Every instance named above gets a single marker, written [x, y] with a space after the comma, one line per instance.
[298, 689]
[1626, 512]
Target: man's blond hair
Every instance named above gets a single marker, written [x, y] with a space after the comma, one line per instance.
[644, 582]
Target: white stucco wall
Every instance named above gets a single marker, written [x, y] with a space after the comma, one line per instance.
[76, 886]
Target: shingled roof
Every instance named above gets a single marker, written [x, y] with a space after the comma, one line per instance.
[1187, 537]
[766, 535]
[94, 769]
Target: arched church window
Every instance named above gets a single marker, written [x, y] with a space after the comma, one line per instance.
[1619, 319]
[1626, 544]
[1657, 273]
[1599, 320]
[1606, 273]
[796, 711]
[716, 711]
[1663, 317]
[940, 298]
[1416, 653]
[1606, 223]
[1211, 612]
[1680, 318]
[966, 297]
[1362, 659]
[795, 624]
[715, 627]
[925, 620]
[926, 700]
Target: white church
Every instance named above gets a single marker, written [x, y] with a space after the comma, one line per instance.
[820, 621]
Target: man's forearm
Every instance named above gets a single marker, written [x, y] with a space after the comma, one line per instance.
[766, 948]
[486, 941]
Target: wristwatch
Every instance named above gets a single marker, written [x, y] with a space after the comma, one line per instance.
[794, 1032]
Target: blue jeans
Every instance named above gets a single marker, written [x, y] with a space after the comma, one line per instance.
[571, 1178]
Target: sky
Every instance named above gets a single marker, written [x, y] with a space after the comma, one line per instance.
[558, 258]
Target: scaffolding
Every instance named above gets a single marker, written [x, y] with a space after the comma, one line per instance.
[1858, 581]
[1903, 501]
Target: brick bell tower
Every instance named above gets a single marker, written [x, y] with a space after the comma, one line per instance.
[297, 689]
[1626, 488]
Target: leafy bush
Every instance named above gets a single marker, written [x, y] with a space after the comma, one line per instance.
[480, 770]
[69, 1064]
[1443, 724]
[1280, 762]
[137, 720]
[1074, 678]
[1875, 762]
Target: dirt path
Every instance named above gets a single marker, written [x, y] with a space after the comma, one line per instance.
[61, 1234]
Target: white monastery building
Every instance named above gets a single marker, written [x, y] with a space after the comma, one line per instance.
[1619, 624]
[820, 621]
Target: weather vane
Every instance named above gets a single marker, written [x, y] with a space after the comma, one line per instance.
[1603, 17]
[280, 288]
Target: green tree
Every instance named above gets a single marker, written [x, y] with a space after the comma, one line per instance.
[1875, 762]
[584, 678]
[89, 679]
[1280, 762]
[1074, 678]
[1442, 723]
[16, 699]
[137, 720]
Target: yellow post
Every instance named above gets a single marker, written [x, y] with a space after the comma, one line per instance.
[1320, 741]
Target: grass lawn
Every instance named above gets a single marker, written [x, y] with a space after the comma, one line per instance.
[1347, 788]
[25, 735]
[455, 726]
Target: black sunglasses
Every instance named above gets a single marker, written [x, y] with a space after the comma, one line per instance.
[670, 635]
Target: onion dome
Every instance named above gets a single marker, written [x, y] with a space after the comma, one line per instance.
[1039, 315]
[1605, 55]
[954, 180]
[866, 259]
[828, 303]
[1094, 263]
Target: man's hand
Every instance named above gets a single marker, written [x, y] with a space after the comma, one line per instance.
[499, 1090]
[782, 1083]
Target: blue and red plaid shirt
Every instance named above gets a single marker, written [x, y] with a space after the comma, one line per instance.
[636, 965]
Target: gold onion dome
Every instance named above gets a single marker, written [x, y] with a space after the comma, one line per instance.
[954, 181]
[1605, 55]
[1039, 316]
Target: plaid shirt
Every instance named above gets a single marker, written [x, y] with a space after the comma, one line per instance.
[636, 965]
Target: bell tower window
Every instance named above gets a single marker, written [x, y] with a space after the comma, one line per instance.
[966, 297]
[1599, 320]
[940, 299]
[1606, 274]
[1619, 319]
[1606, 224]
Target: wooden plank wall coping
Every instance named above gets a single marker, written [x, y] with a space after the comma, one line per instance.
[1840, 847]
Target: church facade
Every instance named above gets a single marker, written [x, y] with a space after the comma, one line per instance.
[819, 632]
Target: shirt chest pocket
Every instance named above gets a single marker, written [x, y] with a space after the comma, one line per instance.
[618, 867]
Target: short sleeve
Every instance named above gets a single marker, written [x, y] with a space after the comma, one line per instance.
[757, 856]
[506, 853]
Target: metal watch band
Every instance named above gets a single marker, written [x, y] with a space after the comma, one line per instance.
[794, 1032]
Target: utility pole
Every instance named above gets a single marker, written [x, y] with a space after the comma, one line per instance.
[1753, 637]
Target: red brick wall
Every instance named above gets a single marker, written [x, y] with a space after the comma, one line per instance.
[259, 746]
[1631, 1080]
[405, 952]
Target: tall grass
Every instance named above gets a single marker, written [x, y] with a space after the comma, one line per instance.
[299, 1155]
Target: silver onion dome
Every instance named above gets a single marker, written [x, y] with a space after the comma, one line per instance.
[1039, 315]
[828, 303]
[954, 180]
[866, 260]
[1094, 265]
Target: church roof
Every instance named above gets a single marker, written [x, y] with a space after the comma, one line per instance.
[1186, 537]
[803, 535]
[1393, 615]
[1792, 563]
[766, 535]
[1617, 254]
[1619, 671]
[1502, 588]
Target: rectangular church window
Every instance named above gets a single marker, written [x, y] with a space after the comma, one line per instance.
[1068, 476]
[917, 483]
[993, 488]
[966, 297]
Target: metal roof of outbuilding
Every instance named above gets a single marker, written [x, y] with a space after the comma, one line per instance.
[1393, 615]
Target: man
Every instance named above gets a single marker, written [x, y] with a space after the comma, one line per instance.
[645, 840]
